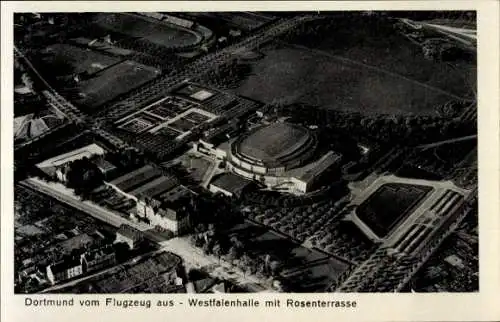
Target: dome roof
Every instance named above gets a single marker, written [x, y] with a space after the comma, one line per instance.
[275, 144]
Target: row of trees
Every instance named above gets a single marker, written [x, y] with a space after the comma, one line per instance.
[388, 129]
[227, 75]
[234, 251]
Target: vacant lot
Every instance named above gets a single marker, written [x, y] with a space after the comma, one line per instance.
[135, 26]
[298, 75]
[114, 81]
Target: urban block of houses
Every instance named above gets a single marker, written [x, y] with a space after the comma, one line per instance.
[91, 260]
[160, 199]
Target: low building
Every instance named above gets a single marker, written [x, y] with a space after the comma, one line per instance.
[455, 261]
[176, 221]
[215, 142]
[159, 198]
[229, 184]
[106, 167]
[96, 259]
[51, 165]
[129, 235]
[64, 270]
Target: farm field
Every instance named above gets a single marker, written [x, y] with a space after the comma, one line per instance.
[114, 81]
[294, 75]
[315, 270]
[135, 26]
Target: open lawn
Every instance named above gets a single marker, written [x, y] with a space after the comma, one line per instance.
[140, 27]
[297, 75]
[114, 81]
[376, 43]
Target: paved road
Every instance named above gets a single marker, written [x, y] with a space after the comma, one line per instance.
[94, 210]
[435, 144]
[192, 256]
[86, 277]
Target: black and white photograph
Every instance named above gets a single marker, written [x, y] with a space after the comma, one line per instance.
[245, 152]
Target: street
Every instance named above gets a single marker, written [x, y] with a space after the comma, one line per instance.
[192, 256]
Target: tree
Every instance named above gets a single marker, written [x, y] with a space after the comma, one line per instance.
[217, 251]
[275, 267]
[245, 263]
[83, 176]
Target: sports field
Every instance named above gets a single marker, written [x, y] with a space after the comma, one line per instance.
[114, 81]
[140, 27]
[76, 59]
[297, 75]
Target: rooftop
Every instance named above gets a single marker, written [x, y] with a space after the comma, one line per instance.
[175, 194]
[129, 232]
[136, 178]
[76, 242]
[314, 169]
[155, 187]
[86, 151]
[270, 142]
[230, 182]
[63, 265]
[97, 253]
[104, 165]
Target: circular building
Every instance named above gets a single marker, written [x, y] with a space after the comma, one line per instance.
[273, 149]
[281, 155]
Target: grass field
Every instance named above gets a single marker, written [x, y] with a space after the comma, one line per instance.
[375, 42]
[135, 26]
[296, 75]
[77, 59]
[114, 81]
